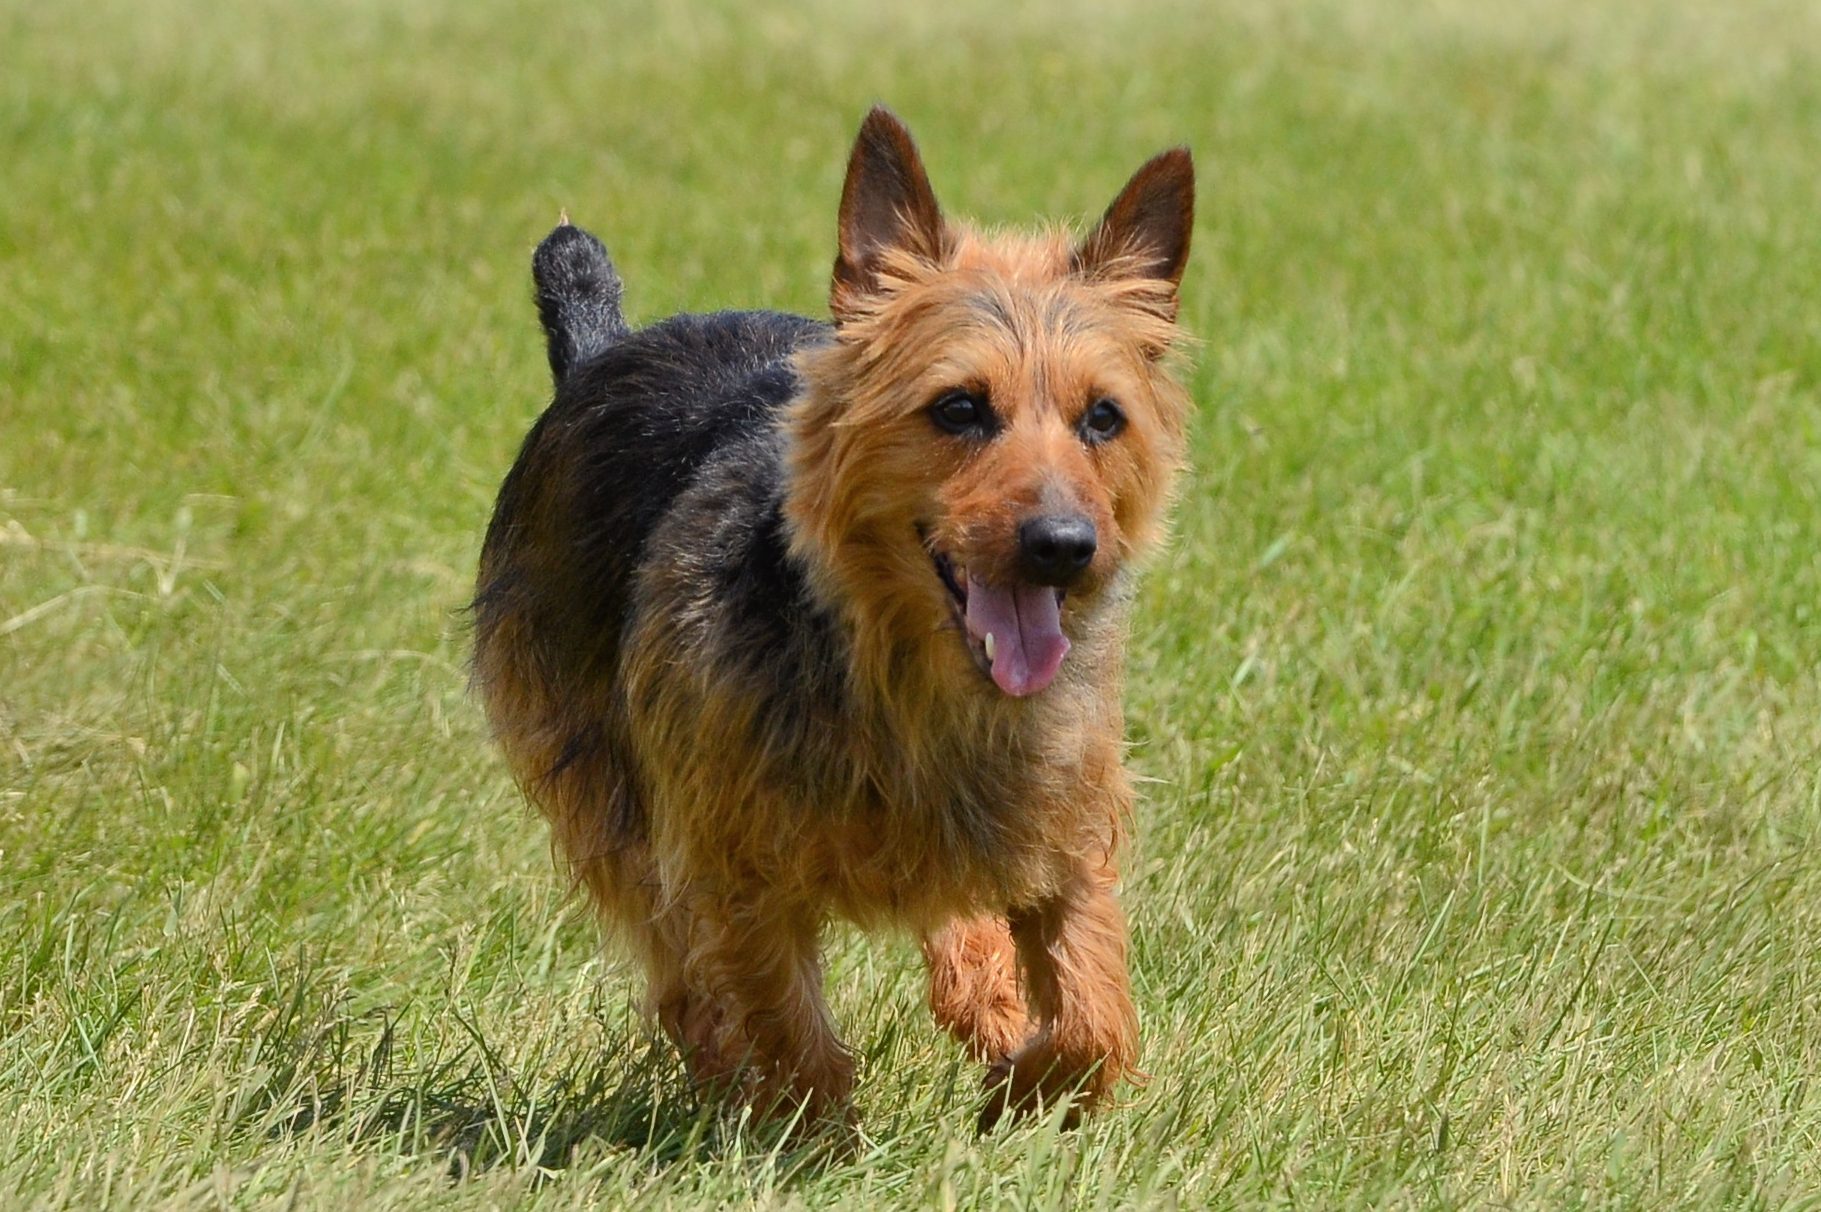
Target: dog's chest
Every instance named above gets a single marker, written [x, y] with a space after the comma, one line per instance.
[915, 841]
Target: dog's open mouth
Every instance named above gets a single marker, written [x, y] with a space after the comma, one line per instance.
[1014, 632]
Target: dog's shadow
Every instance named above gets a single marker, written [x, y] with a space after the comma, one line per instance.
[469, 1111]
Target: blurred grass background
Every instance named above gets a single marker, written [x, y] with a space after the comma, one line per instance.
[1478, 689]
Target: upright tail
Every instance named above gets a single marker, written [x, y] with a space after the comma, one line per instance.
[578, 297]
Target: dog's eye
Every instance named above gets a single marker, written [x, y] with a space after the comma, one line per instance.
[962, 412]
[1101, 421]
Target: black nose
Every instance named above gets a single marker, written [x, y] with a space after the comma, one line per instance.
[1055, 547]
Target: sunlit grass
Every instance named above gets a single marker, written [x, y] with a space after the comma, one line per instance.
[1477, 694]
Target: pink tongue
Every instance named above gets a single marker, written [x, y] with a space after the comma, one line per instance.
[1026, 626]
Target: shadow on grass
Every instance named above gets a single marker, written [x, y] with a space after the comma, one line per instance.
[470, 1108]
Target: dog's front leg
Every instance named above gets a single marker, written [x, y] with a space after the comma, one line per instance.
[973, 986]
[1072, 952]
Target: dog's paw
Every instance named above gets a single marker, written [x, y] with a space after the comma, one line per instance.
[1037, 1079]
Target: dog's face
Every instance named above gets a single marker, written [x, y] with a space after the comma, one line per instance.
[990, 439]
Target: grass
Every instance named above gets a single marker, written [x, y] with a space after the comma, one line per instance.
[1478, 692]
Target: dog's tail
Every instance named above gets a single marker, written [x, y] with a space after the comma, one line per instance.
[578, 297]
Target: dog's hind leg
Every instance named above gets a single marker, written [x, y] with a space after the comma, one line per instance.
[690, 1017]
[625, 890]
[973, 986]
[760, 965]
[623, 885]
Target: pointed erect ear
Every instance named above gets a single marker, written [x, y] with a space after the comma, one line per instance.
[886, 204]
[1145, 233]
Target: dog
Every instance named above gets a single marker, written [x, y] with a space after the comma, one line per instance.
[779, 621]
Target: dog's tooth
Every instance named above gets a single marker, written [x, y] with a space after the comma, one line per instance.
[989, 645]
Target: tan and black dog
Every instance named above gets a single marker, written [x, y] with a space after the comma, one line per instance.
[779, 621]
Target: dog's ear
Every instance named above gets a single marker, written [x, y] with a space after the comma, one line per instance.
[886, 205]
[1145, 233]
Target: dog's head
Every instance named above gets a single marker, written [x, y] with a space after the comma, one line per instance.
[990, 438]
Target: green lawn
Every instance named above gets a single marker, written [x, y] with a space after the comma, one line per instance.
[1477, 697]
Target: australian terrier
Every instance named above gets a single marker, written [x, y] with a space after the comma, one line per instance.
[779, 621]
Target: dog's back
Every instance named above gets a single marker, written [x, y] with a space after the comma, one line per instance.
[639, 419]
